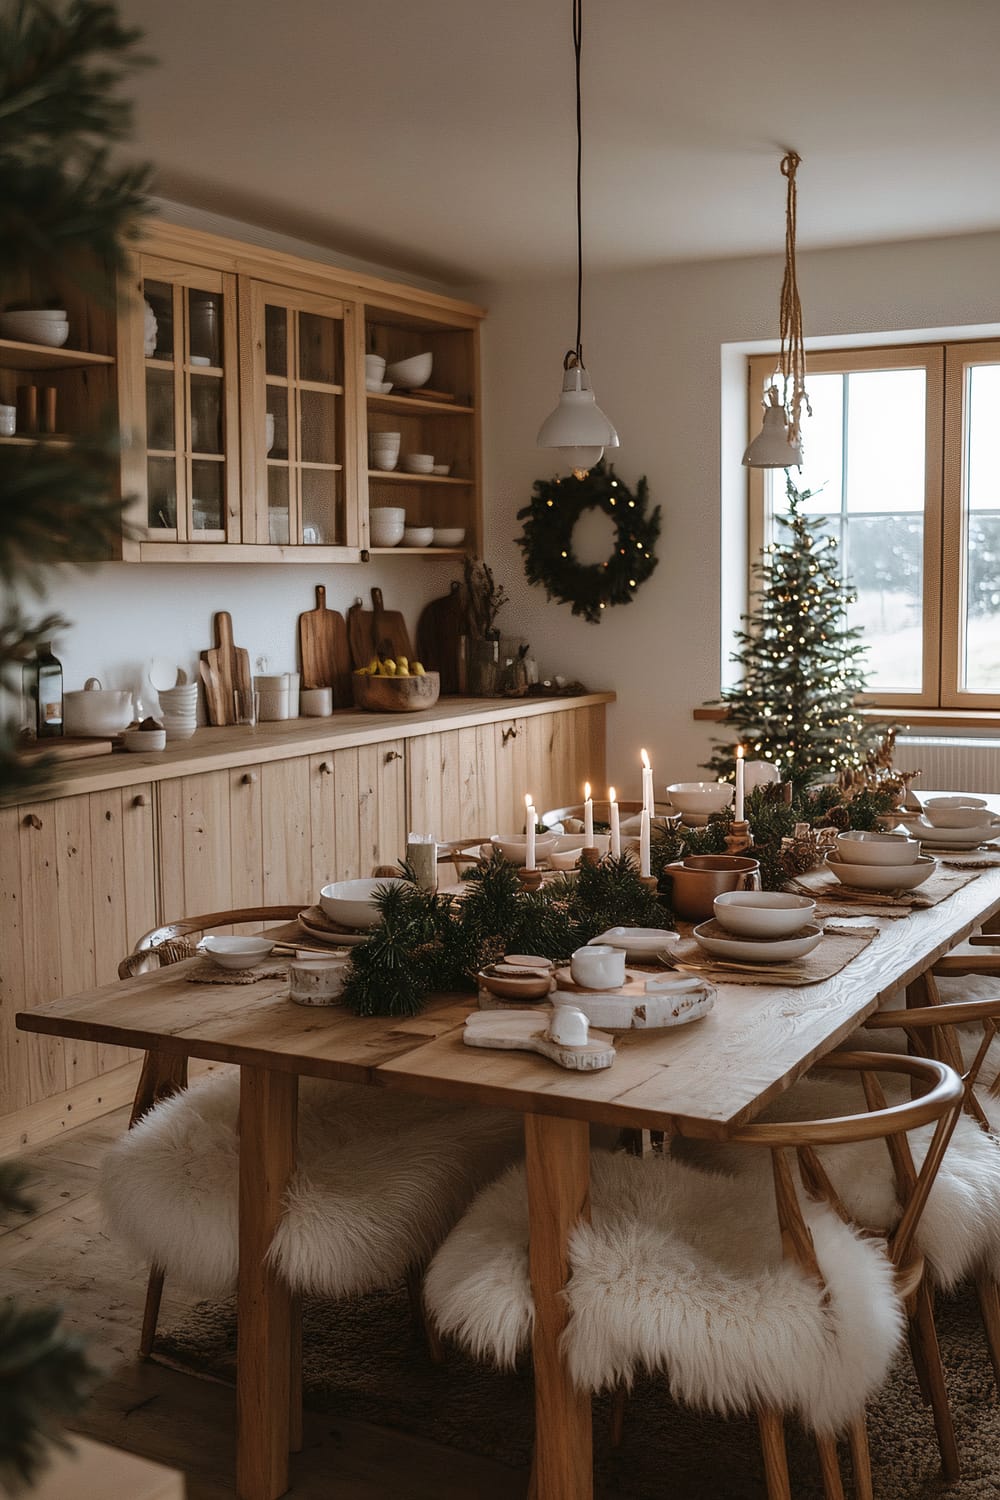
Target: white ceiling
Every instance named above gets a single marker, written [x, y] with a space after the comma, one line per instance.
[437, 136]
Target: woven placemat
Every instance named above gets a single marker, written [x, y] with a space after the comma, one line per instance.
[206, 972]
[836, 900]
[838, 947]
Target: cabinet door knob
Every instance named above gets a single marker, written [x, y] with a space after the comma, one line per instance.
[325, 768]
[139, 800]
[32, 820]
[248, 778]
[391, 755]
[509, 734]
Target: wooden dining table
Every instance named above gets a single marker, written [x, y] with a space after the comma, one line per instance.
[697, 1080]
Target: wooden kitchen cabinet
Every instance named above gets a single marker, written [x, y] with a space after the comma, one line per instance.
[246, 429]
[359, 810]
[77, 887]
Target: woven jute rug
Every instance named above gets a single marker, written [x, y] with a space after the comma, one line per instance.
[365, 1359]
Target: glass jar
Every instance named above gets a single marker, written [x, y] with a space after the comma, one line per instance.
[483, 669]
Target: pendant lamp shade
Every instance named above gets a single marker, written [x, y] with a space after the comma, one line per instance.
[779, 443]
[578, 428]
[774, 447]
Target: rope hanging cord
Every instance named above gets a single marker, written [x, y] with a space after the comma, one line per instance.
[574, 356]
[792, 357]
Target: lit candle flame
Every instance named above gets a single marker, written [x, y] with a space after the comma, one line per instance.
[611, 794]
[527, 799]
[645, 760]
[586, 791]
[740, 751]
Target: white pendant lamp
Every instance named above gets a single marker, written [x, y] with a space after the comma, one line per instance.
[779, 443]
[577, 427]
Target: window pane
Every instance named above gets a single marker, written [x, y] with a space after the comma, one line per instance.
[980, 667]
[822, 446]
[885, 440]
[883, 558]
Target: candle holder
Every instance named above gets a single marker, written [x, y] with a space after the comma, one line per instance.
[649, 883]
[589, 857]
[531, 880]
[739, 838]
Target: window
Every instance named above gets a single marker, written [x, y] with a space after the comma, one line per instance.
[902, 455]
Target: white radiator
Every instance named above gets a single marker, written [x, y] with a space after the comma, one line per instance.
[950, 763]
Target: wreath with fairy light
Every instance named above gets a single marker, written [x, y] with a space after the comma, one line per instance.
[547, 540]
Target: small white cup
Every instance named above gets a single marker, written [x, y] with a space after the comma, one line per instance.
[8, 421]
[316, 981]
[598, 967]
[569, 1026]
[316, 703]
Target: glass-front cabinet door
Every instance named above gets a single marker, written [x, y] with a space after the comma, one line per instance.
[298, 446]
[187, 465]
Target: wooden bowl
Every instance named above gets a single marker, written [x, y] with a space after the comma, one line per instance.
[396, 695]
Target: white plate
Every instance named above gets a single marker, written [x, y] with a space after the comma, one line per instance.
[760, 950]
[378, 387]
[640, 943]
[954, 838]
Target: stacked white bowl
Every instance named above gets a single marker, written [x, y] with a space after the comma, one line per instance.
[36, 326]
[179, 710]
[879, 861]
[418, 463]
[386, 524]
[385, 449]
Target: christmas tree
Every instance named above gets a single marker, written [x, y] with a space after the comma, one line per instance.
[801, 662]
[64, 205]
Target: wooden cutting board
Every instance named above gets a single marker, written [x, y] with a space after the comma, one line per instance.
[392, 638]
[231, 665]
[360, 634]
[439, 632]
[324, 650]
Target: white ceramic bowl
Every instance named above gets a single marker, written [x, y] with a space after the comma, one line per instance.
[97, 711]
[511, 846]
[883, 877]
[350, 903]
[387, 515]
[141, 741]
[861, 848]
[386, 536]
[758, 950]
[441, 469]
[235, 952]
[411, 372]
[763, 913]
[956, 812]
[378, 387]
[178, 729]
[449, 536]
[418, 536]
[641, 944]
[374, 367]
[566, 842]
[956, 838]
[418, 463]
[700, 796]
[27, 328]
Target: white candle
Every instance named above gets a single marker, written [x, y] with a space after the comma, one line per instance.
[616, 828]
[647, 783]
[740, 772]
[644, 843]
[588, 817]
[529, 829]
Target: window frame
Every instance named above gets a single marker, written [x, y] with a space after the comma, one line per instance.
[944, 554]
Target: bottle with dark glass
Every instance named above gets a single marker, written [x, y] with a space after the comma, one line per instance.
[48, 692]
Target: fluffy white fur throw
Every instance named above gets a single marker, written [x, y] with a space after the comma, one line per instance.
[681, 1273]
[380, 1179]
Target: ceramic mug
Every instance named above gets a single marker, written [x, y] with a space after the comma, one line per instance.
[598, 967]
[697, 880]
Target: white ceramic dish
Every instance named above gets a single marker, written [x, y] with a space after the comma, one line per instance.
[700, 796]
[441, 469]
[142, 741]
[96, 710]
[378, 387]
[449, 536]
[412, 372]
[955, 838]
[163, 674]
[565, 842]
[34, 328]
[670, 1001]
[512, 846]
[418, 536]
[883, 877]
[955, 812]
[350, 903]
[759, 950]
[860, 848]
[774, 914]
[641, 944]
[235, 952]
[418, 463]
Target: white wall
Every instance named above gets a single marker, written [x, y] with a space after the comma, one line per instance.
[659, 345]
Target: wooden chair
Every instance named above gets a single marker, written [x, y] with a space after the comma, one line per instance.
[716, 1281]
[178, 1158]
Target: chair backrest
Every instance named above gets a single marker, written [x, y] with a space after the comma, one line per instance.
[940, 1105]
[602, 812]
[930, 1030]
[169, 943]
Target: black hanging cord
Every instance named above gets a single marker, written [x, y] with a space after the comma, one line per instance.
[575, 356]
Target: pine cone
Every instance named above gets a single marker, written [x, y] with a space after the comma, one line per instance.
[840, 817]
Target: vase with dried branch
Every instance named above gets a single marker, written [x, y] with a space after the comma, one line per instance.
[484, 599]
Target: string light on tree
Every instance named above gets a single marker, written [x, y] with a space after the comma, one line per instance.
[802, 666]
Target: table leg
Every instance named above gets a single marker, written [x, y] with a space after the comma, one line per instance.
[264, 1312]
[557, 1155]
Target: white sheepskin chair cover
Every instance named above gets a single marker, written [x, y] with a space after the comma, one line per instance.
[380, 1179]
[681, 1274]
[960, 1225]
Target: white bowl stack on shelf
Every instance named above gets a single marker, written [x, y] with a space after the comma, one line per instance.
[39, 325]
[179, 710]
[386, 525]
[879, 861]
[956, 824]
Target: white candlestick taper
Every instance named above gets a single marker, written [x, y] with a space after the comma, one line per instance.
[616, 827]
[740, 773]
[588, 817]
[529, 832]
[647, 783]
[644, 843]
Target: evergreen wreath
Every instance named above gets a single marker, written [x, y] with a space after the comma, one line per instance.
[547, 541]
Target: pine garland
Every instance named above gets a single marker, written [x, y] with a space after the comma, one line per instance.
[547, 540]
[426, 944]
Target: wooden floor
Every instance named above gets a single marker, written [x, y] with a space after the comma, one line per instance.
[59, 1254]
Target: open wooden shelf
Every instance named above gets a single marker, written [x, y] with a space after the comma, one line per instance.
[400, 476]
[403, 404]
[17, 356]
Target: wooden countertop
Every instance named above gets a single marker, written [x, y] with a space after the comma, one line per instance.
[212, 749]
